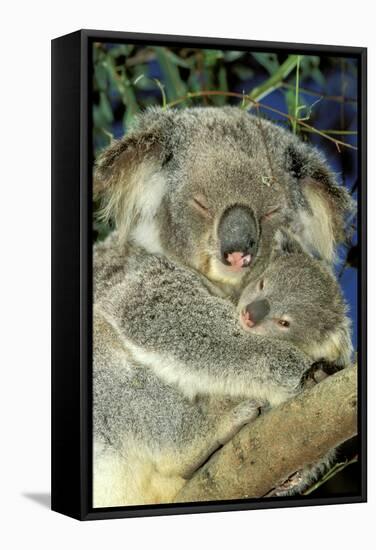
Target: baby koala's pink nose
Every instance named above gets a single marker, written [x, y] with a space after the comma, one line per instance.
[238, 260]
[248, 321]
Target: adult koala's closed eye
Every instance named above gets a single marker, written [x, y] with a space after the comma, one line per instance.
[207, 187]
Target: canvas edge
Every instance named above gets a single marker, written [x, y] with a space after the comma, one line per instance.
[82, 507]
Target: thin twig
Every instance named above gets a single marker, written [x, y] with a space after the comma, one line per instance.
[296, 96]
[335, 132]
[257, 104]
[331, 473]
[264, 141]
[338, 98]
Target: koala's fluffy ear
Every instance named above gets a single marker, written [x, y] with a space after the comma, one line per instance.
[329, 204]
[284, 244]
[128, 177]
[337, 347]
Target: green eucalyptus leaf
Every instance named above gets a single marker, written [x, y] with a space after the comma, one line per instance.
[127, 118]
[176, 60]
[267, 60]
[97, 117]
[211, 57]
[222, 86]
[140, 80]
[275, 80]
[101, 76]
[243, 72]
[318, 77]
[175, 87]
[105, 107]
[290, 101]
[121, 49]
[230, 56]
[193, 82]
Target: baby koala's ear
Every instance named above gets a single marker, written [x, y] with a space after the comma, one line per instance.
[284, 244]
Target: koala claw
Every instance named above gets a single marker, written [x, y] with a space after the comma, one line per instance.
[242, 414]
[249, 410]
[289, 486]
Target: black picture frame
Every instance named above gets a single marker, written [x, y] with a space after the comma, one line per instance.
[72, 273]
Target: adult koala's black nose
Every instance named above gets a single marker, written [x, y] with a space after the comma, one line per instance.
[237, 232]
[257, 311]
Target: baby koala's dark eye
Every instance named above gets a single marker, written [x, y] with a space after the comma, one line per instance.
[283, 323]
[261, 284]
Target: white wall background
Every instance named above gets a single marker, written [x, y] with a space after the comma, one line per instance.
[27, 28]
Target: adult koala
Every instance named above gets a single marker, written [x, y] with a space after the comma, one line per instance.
[206, 189]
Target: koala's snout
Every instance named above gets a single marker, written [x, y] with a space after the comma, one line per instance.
[256, 312]
[237, 233]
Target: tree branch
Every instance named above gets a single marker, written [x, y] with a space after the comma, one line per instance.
[266, 452]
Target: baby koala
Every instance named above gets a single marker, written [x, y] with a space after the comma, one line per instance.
[297, 299]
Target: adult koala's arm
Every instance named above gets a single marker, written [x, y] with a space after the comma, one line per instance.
[170, 322]
[110, 262]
